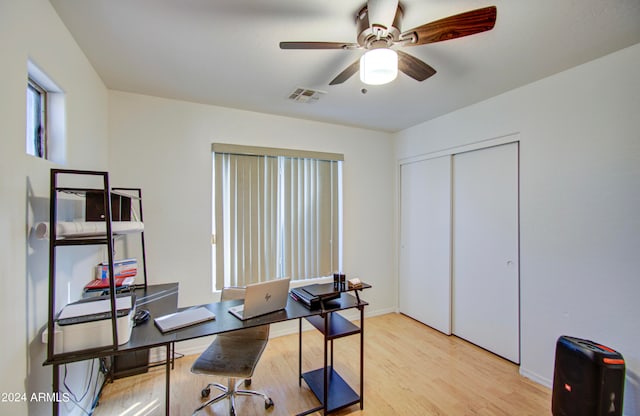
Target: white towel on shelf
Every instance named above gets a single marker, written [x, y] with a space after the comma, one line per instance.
[87, 228]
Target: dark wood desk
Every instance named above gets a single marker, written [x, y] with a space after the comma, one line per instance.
[325, 382]
[162, 299]
[159, 300]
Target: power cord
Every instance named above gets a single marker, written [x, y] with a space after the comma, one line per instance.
[73, 398]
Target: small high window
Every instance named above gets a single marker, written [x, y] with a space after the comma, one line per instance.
[45, 116]
[36, 119]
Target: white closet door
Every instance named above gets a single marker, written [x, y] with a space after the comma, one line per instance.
[485, 296]
[425, 236]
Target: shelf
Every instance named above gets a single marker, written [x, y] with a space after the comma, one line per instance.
[90, 232]
[104, 208]
[340, 394]
[338, 325]
[91, 240]
[332, 325]
[80, 355]
[81, 241]
[83, 191]
[78, 191]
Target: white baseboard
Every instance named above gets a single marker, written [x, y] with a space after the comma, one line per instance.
[535, 377]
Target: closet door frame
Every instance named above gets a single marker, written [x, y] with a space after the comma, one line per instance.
[451, 152]
[424, 292]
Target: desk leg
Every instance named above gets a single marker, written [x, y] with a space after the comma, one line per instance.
[299, 352]
[56, 389]
[361, 356]
[325, 401]
[167, 391]
[329, 315]
[173, 355]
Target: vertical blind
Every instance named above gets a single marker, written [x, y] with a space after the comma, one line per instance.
[276, 215]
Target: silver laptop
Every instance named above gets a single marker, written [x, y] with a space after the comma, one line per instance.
[262, 298]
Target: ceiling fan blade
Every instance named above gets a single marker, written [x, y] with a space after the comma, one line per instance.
[346, 74]
[318, 45]
[452, 27]
[414, 67]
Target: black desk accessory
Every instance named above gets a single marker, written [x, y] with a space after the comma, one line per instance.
[323, 291]
[141, 316]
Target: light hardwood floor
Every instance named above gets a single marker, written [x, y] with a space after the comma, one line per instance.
[410, 369]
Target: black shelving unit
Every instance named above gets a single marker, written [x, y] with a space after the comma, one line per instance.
[333, 392]
[106, 192]
[137, 196]
[136, 362]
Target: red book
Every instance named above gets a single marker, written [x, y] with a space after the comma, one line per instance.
[104, 283]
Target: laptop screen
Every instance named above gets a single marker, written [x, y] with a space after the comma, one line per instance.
[264, 297]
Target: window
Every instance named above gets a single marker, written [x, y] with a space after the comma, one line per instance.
[277, 213]
[45, 116]
[36, 119]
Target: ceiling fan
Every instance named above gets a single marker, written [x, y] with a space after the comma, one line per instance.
[379, 32]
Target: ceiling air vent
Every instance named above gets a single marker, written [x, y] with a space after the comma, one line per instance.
[305, 95]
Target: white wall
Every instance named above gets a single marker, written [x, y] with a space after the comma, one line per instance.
[30, 29]
[580, 193]
[579, 204]
[164, 147]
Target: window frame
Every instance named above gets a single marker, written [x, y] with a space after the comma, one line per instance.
[38, 141]
[218, 271]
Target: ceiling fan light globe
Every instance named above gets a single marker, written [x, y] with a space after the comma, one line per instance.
[379, 66]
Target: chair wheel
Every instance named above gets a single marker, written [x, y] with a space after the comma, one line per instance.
[268, 403]
[247, 382]
[205, 392]
[232, 412]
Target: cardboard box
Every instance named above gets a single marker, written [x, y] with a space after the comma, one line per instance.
[121, 268]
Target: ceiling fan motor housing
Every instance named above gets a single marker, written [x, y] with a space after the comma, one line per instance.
[372, 37]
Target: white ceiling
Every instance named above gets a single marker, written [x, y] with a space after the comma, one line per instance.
[226, 53]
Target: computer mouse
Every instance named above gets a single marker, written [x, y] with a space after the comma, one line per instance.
[142, 315]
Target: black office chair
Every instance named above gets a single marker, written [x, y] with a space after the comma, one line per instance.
[233, 355]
